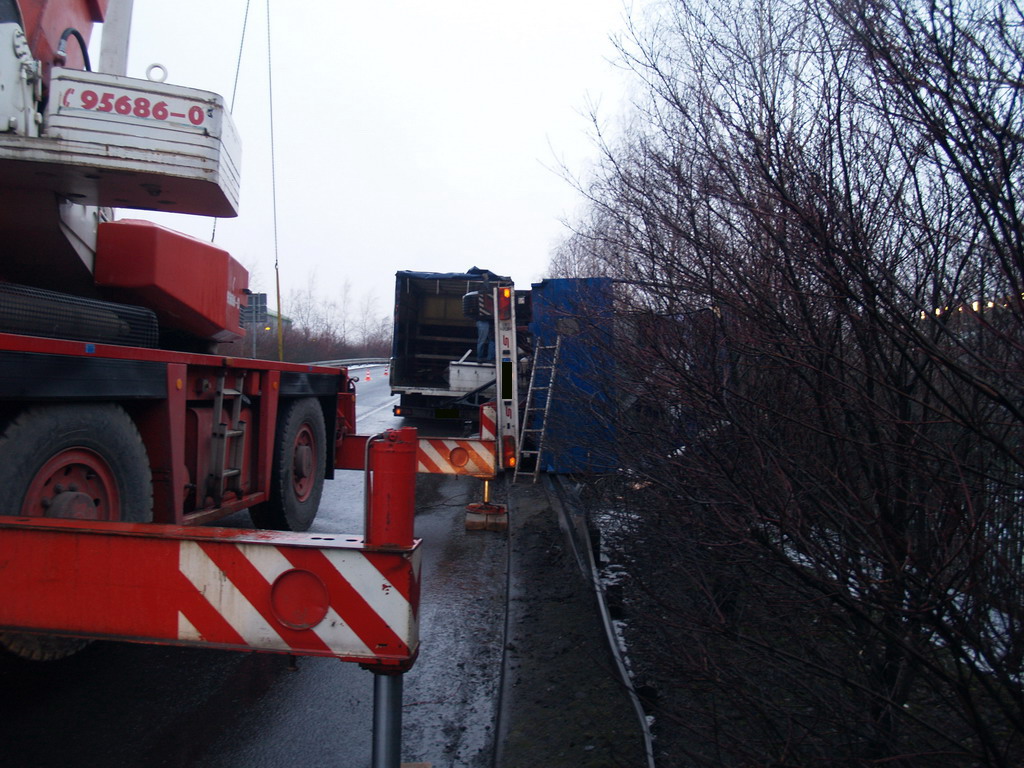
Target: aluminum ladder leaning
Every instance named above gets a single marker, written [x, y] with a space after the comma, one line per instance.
[538, 403]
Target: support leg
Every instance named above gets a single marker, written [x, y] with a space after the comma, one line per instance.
[387, 720]
[485, 515]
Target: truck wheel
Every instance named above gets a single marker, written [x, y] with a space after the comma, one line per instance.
[40, 647]
[78, 461]
[297, 477]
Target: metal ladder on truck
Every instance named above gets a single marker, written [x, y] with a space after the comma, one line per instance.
[227, 444]
[538, 403]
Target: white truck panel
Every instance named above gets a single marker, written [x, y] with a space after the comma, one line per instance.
[128, 143]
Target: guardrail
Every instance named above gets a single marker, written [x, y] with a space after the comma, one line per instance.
[353, 361]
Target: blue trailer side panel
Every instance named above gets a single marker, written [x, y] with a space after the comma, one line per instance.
[580, 431]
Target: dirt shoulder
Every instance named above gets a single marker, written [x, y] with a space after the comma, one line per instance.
[563, 706]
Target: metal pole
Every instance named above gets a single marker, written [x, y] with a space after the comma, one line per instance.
[387, 720]
[116, 31]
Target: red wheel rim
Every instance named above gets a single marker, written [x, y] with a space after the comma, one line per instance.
[76, 483]
[304, 462]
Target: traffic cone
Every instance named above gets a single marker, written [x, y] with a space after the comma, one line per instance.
[385, 371]
[367, 374]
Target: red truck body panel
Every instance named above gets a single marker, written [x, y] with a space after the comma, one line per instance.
[45, 20]
[193, 286]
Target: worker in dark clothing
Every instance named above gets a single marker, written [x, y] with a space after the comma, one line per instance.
[485, 329]
[480, 306]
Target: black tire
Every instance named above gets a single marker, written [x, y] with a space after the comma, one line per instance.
[40, 647]
[46, 453]
[43, 443]
[297, 476]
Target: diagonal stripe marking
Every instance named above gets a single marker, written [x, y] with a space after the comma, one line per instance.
[198, 620]
[434, 457]
[213, 584]
[377, 612]
[333, 631]
[481, 461]
[430, 457]
[238, 564]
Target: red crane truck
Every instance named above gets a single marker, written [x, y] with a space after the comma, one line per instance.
[125, 429]
[122, 428]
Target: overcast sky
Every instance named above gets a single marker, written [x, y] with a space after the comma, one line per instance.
[408, 134]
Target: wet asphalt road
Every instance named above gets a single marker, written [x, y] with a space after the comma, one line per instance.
[134, 705]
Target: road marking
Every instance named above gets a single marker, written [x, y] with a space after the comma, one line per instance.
[389, 404]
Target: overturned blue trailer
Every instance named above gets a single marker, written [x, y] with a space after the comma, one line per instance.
[579, 422]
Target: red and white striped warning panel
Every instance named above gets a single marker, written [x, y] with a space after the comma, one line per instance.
[436, 455]
[489, 421]
[473, 456]
[304, 594]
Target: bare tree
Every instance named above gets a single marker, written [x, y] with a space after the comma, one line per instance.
[373, 329]
[315, 328]
[816, 226]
